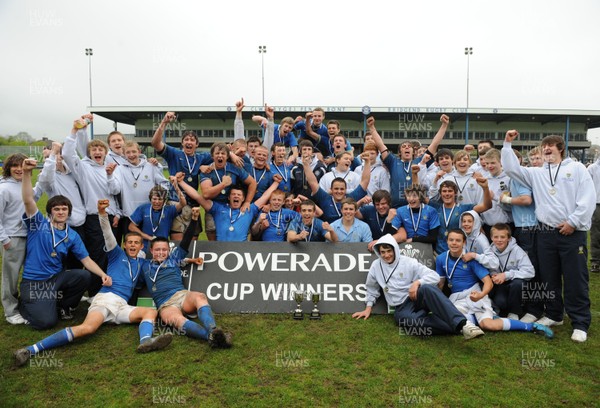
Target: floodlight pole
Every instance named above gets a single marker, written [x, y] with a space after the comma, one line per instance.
[468, 53]
[262, 50]
[89, 52]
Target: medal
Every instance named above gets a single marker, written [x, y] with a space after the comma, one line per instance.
[278, 232]
[223, 192]
[407, 177]
[155, 228]
[53, 254]
[189, 179]
[450, 273]
[460, 190]
[445, 233]
[386, 289]
[552, 190]
[153, 279]
[135, 179]
[231, 220]
[192, 166]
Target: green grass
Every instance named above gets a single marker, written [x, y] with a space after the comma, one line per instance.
[277, 361]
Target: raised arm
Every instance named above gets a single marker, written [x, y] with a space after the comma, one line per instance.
[69, 148]
[365, 178]
[437, 139]
[110, 242]
[311, 179]
[377, 138]
[510, 162]
[82, 142]
[156, 141]
[46, 177]
[269, 138]
[308, 128]
[27, 188]
[486, 204]
[238, 123]
[182, 200]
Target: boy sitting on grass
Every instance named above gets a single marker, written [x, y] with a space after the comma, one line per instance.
[464, 279]
[410, 287]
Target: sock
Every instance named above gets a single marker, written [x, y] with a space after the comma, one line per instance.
[206, 318]
[515, 325]
[145, 329]
[193, 329]
[60, 338]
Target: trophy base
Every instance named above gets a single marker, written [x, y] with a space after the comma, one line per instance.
[298, 315]
[315, 315]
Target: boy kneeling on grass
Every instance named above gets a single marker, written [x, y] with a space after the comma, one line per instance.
[410, 287]
[464, 279]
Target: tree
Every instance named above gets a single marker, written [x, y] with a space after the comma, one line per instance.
[21, 137]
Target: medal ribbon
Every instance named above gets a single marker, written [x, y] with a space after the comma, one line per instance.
[453, 268]
[284, 175]
[157, 269]
[502, 269]
[190, 168]
[261, 177]
[312, 224]
[231, 220]
[553, 181]
[159, 219]
[390, 276]
[447, 220]
[54, 243]
[133, 278]
[412, 218]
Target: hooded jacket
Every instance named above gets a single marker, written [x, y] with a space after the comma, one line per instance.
[136, 181]
[54, 183]
[497, 214]
[397, 277]
[567, 197]
[93, 181]
[513, 261]
[477, 242]
[468, 189]
[380, 178]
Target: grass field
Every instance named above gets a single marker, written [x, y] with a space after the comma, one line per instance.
[277, 361]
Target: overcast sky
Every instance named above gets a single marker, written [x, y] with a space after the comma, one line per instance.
[526, 54]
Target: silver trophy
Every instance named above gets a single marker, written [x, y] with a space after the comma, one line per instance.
[315, 314]
[298, 297]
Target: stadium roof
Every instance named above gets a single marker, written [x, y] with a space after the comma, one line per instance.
[131, 114]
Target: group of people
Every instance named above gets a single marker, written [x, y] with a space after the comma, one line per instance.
[500, 230]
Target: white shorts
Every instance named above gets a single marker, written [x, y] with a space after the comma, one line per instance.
[482, 309]
[176, 300]
[113, 307]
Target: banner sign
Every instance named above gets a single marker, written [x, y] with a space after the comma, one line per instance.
[260, 277]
